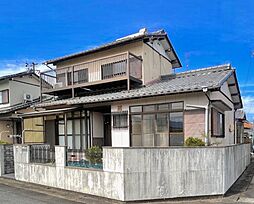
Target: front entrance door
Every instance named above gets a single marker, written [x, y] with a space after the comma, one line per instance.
[107, 130]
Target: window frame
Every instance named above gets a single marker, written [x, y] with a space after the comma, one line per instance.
[8, 96]
[79, 81]
[156, 111]
[212, 123]
[119, 114]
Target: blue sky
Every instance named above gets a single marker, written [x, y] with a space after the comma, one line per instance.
[204, 33]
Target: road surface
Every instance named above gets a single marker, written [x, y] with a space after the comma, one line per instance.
[12, 195]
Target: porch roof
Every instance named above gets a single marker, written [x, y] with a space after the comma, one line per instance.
[211, 78]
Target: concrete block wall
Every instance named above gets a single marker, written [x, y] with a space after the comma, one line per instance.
[173, 172]
[143, 173]
[89, 181]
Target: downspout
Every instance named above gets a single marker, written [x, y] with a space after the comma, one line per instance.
[207, 117]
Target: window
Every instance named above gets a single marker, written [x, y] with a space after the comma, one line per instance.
[60, 78]
[218, 123]
[176, 122]
[157, 124]
[176, 129]
[113, 69]
[136, 128]
[78, 130]
[4, 96]
[120, 120]
[81, 76]
[136, 109]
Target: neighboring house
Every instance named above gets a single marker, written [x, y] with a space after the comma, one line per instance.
[17, 93]
[248, 131]
[127, 93]
[240, 118]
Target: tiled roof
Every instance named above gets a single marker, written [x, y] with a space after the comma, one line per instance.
[127, 39]
[20, 74]
[19, 106]
[190, 81]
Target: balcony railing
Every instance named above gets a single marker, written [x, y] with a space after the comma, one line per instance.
[97, 71]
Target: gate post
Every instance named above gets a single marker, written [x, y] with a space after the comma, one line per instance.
[1, 160]
[60, 156]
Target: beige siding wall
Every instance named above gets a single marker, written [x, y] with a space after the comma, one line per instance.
[154, 65]
[135, 48]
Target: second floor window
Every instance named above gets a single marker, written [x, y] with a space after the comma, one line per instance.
[4, 96]
[81, 76]
[113, 69]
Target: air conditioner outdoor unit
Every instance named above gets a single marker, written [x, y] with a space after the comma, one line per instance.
[28, 97]
[58, 85]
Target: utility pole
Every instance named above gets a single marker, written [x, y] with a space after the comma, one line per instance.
[31, 66]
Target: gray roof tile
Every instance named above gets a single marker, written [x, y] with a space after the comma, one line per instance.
[196, 80]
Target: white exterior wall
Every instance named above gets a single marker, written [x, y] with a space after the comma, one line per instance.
[229, 117]
[18, 89]
[120, 137]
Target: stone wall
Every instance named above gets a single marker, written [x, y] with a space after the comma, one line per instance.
[143, 173]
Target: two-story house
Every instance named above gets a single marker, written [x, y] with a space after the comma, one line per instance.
[127, 93]
[17, 93]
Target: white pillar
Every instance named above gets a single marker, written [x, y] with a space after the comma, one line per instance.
[60, 156]
[21, 154]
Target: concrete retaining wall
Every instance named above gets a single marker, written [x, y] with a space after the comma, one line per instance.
[94, 182]
[143, 173]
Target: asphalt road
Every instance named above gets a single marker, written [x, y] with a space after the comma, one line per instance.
[12, 195]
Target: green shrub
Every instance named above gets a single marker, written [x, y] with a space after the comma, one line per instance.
[94, 155]
[193, 141]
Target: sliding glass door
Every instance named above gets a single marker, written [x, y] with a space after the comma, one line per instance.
[77, 130]
[157, 125]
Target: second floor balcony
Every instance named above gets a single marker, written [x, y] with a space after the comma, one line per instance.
[120, 67]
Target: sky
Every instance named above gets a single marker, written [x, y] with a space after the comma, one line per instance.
[203, 33]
